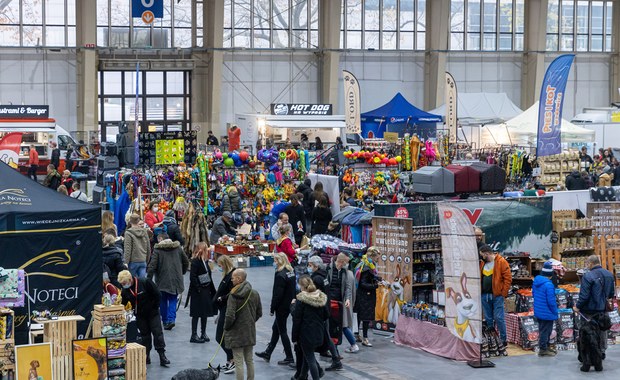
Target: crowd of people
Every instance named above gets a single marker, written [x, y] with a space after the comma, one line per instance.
[602, 170]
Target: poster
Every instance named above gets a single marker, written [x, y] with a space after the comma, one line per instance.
[34, 361]
[90, 359]
[461, 273]
[393, 237]
[451, 107]
[169, 152]
[605, 218]
[509, 225]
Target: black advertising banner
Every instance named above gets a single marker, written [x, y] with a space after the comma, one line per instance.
[393, 237]
[24, 112]
[283, 109]
[509, 225]
[167, 144]
[461, 273]
[64, 271]
[605, 218]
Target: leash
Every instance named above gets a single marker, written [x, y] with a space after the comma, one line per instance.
[219, 344]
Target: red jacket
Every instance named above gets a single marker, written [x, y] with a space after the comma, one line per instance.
[151, 218]
[33, 157]
[286, 247]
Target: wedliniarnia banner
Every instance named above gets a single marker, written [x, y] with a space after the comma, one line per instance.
[24, 112]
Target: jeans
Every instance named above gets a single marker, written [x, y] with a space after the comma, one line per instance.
[493, 308]
[242, 354]
[219, 333]
[148, 326]
[544, 333]
[138, 269]
[32, 172]
[278, 330]
[168, 307]
[309, 361]
[349, 335]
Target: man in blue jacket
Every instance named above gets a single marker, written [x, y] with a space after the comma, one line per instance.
[545, 308]
[597, 286]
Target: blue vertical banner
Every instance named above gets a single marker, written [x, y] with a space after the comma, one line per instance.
[136, 144]
[139, 7]
[549, 137]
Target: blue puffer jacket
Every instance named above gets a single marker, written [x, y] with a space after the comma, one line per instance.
[597, 286]
[545, 305]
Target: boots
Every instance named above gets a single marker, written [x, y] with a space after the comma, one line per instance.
[205, 337]
[266, 355]
[286, 361]
[196, 339]
[163, 360]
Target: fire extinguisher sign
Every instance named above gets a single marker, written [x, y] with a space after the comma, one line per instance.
[148, 10]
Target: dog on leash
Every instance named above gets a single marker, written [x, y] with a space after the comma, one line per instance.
[589, 345]
[198, 374]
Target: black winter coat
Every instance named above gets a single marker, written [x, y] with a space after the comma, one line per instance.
[296, 214]
[575, 182]
[597, 286]
[113, 259]
[174, 231]
[149, 297]
[201, 296]
[319, 277]
[309, 315]
[220, 298]
[283, 291]
[308, 203]
[321, 216]
[366, 296]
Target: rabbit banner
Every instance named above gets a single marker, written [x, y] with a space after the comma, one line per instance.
[461, 274]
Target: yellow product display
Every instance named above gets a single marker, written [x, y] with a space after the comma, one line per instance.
[2, 327]
[381, 308]
[415, 152]
[169, 151]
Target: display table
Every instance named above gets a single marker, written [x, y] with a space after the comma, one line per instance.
[434, 339]
[60, 333]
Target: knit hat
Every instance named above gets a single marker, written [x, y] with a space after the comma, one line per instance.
[547, 269]
[316, 261]
[486, 248]
[227, 214]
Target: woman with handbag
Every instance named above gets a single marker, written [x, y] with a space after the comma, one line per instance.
[201, 292]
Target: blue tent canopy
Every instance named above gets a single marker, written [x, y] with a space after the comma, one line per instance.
[398, 115]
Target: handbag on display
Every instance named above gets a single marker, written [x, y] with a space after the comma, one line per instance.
[204, 279]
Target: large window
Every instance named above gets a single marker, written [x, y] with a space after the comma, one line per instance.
[117, 28]
[383, 24]
[488, 25]
[278, 24]
[37, 23]
[579, 25]
[163, 101]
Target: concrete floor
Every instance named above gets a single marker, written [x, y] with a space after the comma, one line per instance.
[384, 361]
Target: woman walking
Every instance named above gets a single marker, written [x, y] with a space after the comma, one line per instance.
[224, 265]
[284, 244]
[366, 291]
[282, 295]
[321, 216]
[201, 292]
[309, 316]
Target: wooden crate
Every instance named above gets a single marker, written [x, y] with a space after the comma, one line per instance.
[101, 312]
[60, 333]
[135, 362]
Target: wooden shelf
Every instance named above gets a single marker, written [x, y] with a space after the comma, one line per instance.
[423, 284]
[422, 262]
[427, 250]
[577, 229]
[428, 239]
[569, 250]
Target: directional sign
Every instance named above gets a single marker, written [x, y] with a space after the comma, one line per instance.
[148, 10]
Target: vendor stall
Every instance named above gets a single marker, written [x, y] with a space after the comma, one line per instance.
[433, 180]
[466, 178]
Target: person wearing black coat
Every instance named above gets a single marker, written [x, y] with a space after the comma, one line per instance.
[55, 158]
[283, 294]
[296, 217]
[366, 296]
[112, 258]
[200, 294]
[574, 181]
[220, 301]
[309, 315]
[173, 229]
[321, 216]
[306, 190]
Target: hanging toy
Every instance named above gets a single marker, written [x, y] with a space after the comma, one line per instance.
[407, 152]
[302, 165]
[202, 167]
[415, 152]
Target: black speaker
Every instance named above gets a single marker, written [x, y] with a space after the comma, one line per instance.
[107, 162]
[109, 149]
[101, 176]
[98, 194]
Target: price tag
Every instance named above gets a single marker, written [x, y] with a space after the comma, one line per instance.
[229, 248]
[265, 245]
[240, 259]
[251, 246]
[261, 258]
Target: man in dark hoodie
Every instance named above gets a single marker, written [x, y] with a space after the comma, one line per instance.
[231, 201]
[574, 181]
[306, 190]
[172, 228]
[53, 178]
[168, 265]
[137, 247]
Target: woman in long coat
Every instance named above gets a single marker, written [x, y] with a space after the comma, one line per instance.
[201, 295]
[367, 291]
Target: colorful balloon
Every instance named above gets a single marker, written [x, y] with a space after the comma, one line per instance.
[229, 162]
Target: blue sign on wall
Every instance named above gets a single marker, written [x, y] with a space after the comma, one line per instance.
[138, 7]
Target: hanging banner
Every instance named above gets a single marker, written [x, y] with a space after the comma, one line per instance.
[136, 144]
[451, 107]
[352, 103]
[549, 140]
[461, 274]
[147, 10]
[393, 237]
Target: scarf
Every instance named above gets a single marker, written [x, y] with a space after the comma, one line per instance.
[281, 239]
[368, 264]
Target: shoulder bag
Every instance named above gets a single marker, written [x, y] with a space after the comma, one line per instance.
[204, 279]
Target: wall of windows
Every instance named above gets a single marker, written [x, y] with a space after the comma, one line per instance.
[37, 23]
[488, 25]
[579, 25]
[278, 24]
[117, 28]
[383, 24]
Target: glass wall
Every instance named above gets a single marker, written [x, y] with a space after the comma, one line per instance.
[49, 23]
[117, 28]
[488, 25]
[163, 102]
[383, 24]
[278, 24]
[579, 25]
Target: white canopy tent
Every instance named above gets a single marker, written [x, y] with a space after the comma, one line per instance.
[476, 108]
[522, 130]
